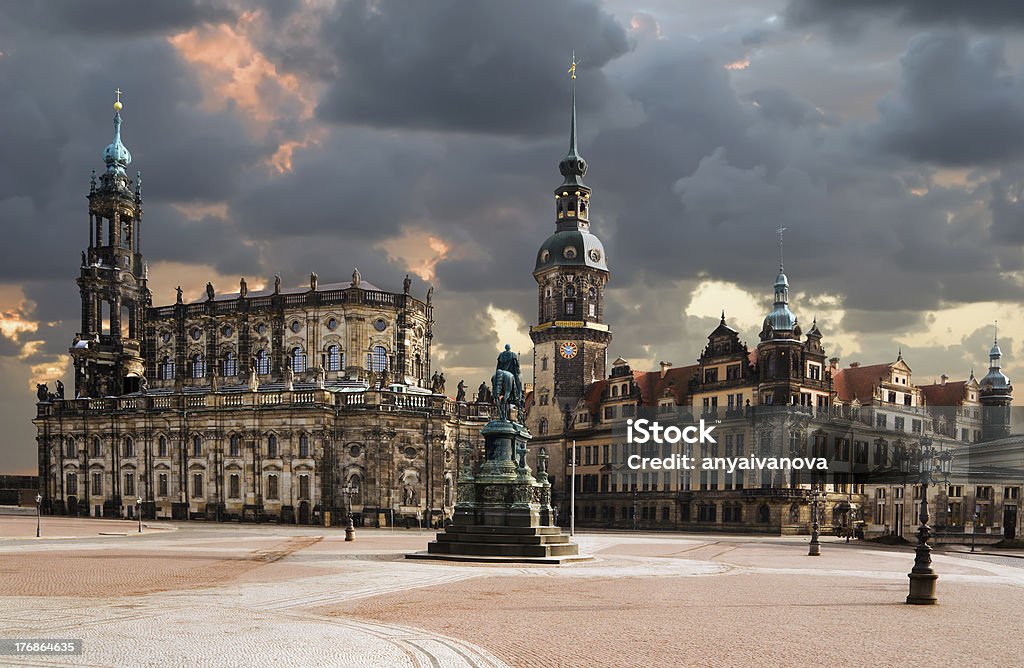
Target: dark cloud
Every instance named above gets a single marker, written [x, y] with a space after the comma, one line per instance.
[958, 103]
[115, 18]
[466, 66]
[851, 16]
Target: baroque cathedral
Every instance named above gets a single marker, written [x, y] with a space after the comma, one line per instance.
[291, 404]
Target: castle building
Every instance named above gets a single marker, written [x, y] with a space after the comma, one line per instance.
[784, 398]
[294, 404]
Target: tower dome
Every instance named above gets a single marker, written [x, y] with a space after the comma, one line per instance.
[995, 381]
[116, 155]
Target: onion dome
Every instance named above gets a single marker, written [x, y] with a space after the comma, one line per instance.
[116, 155]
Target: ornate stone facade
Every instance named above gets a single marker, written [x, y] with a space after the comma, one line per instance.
[280, 403]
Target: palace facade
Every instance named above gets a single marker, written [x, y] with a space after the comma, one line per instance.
[784, 397]
[292, 404]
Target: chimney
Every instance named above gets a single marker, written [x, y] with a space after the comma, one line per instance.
[944, 378]
[665, 366]
[854, 365]
[833, 363]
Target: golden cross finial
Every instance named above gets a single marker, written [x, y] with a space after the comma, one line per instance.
[572, 68]
[117, 103]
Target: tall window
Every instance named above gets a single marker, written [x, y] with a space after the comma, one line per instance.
[197, 446]
[272, 487]
[356, 484]
[197, 485]
[198, 366]
[377, 359]
[333, 358]
[97, 447]
[262, 362]
[234, 486]
[129, 447]
[166, 370]
[298, 360]
[235, 445]
[304, 487]
[272, 446]
[304, 445]
[129, 484]
[229, 366]
[161, 447]
[97, 484]
[72, 483]
[69, 447]
[161, 485]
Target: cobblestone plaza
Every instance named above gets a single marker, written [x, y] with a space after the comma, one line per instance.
[231, 595]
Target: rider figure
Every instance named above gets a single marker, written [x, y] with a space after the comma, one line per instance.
[509, 361]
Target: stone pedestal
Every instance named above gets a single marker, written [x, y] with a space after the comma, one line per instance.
[503, 512]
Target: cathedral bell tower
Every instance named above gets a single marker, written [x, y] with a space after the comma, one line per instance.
[570, 339]
[107, 351]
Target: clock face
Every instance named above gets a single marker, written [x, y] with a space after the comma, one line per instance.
[568, 350]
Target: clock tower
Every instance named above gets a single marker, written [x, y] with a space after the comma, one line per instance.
[570, 339]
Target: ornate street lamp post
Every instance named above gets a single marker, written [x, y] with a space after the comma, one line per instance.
[814, 550]
[138, 511]
[922, 576]
[39, 501]
[350, 527]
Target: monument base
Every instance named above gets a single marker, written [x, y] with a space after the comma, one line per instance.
[503, 513]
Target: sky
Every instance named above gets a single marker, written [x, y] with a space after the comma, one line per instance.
[286, 137]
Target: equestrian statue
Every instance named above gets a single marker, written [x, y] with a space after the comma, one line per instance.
[507, 385]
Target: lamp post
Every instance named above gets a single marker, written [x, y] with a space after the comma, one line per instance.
[974, 528]
[138, 511]
[39, 501]
[350, 528]
[922, 576]
[814, 550]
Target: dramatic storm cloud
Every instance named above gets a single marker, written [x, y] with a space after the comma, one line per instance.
[424, 138]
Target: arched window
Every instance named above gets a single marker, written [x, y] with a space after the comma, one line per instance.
[197, 446]
[377, 359]
[129, 447]
[162, 447]
[355, 484]
[235, 445]
[166, 371]
[333, 358]
[303, 445]
[198, 366]
[262, 362]
[298, 360]
[69, 447]
[229, 365]
[615, 390]
[272, 445]
[543, 426]
[97, 447]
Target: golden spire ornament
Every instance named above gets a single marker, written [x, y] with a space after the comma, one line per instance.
[572, 68]
[117, 104]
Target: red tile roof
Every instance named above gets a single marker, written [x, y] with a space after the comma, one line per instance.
[651, 385]
[950, 394]
[859, 382]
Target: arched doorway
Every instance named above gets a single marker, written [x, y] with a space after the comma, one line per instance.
[304, 512]
[72, 506]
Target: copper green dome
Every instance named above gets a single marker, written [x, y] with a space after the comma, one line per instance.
[571, 248]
